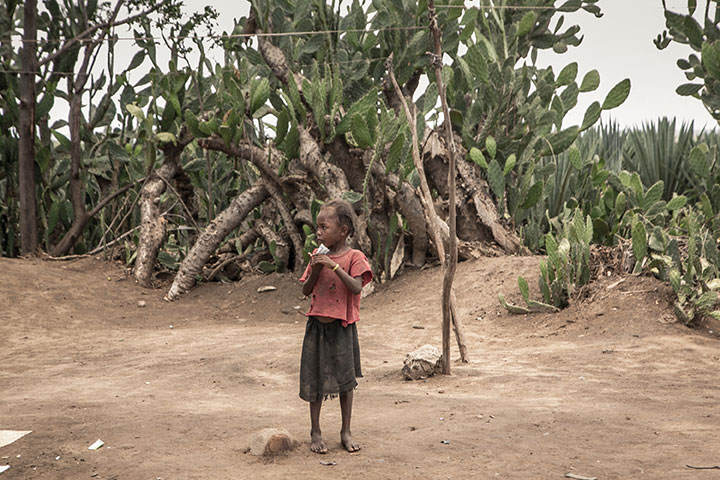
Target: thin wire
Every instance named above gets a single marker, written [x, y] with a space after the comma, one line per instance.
[291, 34]
[236, 35]
[226, 69]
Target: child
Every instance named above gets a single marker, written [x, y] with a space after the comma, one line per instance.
[331, 354]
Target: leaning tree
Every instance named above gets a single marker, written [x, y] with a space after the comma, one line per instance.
[304, 101]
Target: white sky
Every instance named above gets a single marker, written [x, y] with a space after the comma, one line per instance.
[619, 45]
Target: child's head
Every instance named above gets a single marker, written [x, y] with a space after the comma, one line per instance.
[340, 213]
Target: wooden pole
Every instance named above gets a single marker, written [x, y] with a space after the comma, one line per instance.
[26, 130]
[451, 258]
[431, 217]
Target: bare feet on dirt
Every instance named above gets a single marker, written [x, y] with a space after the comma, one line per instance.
[347, 442]
[317, 445]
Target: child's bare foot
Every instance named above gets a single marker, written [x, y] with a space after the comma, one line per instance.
[317, 445]
[348, 443]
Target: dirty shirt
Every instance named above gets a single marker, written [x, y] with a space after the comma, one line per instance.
[330, 297]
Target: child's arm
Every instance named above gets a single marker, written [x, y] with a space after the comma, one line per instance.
[309, 284]
[354, 284]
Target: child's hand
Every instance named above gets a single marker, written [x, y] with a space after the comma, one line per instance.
[320, 261]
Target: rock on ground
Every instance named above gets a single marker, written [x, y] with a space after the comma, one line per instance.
[422, 363]
[271, 441]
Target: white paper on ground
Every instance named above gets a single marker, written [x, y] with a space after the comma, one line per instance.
[9, 436]
[4, 468]
[98, 443]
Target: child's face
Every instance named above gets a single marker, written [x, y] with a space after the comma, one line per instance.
[329, 231]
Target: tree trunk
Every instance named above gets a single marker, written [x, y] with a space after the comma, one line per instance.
[210, 239]
[77, 190]
[450, 262]
[152, 224]
[26, 144]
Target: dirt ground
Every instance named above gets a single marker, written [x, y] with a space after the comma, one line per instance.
[609, 388]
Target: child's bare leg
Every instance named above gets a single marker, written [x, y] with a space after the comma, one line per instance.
[317, 445]
[346, 400]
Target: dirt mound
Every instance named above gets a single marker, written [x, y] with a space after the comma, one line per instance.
[610, 387]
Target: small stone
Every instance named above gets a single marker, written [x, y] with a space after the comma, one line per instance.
[271, 441]
[266, 288]
[141, 304]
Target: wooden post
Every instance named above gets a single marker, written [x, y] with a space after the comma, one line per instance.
[433, 222]
[451, 257]
[26, 130]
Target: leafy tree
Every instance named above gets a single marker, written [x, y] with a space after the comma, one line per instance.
[701, 68]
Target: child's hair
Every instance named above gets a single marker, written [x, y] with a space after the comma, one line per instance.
[343, 212]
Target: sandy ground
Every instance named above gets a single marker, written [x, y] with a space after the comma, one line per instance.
[609, 388]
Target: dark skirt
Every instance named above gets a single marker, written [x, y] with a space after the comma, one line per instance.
[330, 360]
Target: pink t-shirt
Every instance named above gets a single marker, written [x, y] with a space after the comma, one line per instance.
[330, 297]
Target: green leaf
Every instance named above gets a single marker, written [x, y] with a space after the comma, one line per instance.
[259, 95]
[510, 307]
[477, 156]
[291, 146]
[477, 63]
[592, 115]
[533, 196]
[53, 216]
[135, 111]
[560, 141]
[496, 179]
[575, 157]
[367, 102]
[590, 82]
[567, 75]
[693, 32]
[711, 58]
[267, 267]
[692, 5]
[64, 141]
[526, 24]
[707, 299]
[137, 60]
[677, 202]
[283, 123]
[361, 133]
[658, 240]
[165, 137]
[536, 306]
[394, 156]
[653, 194]
[639, 241]
[617, 95]
[491, 146]
[510, 164]
[689, 89]
[698, 163]
[192, 122]
[524, 290]
[352, 197]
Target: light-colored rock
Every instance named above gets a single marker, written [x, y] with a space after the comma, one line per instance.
[422, 363]
[271, 441]
[142, 304]
[266, 288]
